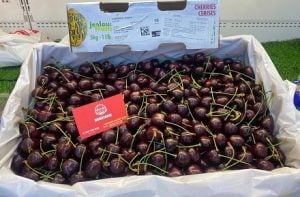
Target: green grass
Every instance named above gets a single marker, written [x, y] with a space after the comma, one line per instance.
[285, 55]
[8, 77]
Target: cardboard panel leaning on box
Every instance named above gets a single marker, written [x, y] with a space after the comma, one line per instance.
[143, 26]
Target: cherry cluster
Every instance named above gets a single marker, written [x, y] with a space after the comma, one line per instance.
[193, 115]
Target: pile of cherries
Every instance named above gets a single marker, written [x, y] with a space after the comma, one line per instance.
[189, 116]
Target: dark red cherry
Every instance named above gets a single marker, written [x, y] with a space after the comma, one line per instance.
[158, 159]
[265, 165]
[109, 136]
[116, 166]
[174, 172]
[17, 163]
[171, 144]
[69, 167]
[35, 159]
[52, 163]
[194, 169]
[77, 177]
[183, 159]
[80, 150]
[93, 168]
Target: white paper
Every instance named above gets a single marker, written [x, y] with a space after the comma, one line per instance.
[14, 48]
[279, 182]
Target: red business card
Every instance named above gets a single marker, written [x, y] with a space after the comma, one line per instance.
[100, 116]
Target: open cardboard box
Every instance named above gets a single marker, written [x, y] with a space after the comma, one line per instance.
[249, 182]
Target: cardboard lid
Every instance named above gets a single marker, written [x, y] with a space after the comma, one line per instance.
[143, 26]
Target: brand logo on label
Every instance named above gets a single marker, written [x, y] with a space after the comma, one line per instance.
[100, 109]
[77, 27]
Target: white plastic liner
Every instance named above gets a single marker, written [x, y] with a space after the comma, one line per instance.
[279, 182]
[15, 47]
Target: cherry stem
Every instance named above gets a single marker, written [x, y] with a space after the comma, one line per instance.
[23, 123]
[217, 113]
[195, 82]
[237, 161]
[150, 144]
[254, 116]
[221, 105]
[229, 113]
[103, 153]
[236, 115]
[34, 170]
[177, 85]
[69, 139]
[126, 84]
[52, 99]
[194, 120]
[176, 125]
[141, 73]
[234, 95]
[117, 137]
[84, 76]
[64, 119]
[134, 136]
[149, 164]
[147, 156]
[81, 160]
[212, 95]
[94, 67]
[60, 165]
[165, 152]
[244, 115]
[190, 146]
[174, 75]
[141, 107]
[43, 152]
[57, 70]
[134, 116]
[212, 72]
[164, 76]
[160, 95]
[274, 152]
[30, 117]
[266, 100]
[180, 79]
[243, 74]
[233, 159]
[224, 93]
[49, 151]
[233, 153]
[130, 163]
[253, 138]
[249, 89]
[213, 137]
[61, 107]
[206, 64]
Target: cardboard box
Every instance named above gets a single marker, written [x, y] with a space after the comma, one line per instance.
[143, 25]
[248, 182]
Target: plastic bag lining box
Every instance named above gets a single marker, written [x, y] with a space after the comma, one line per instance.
[249, 182]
